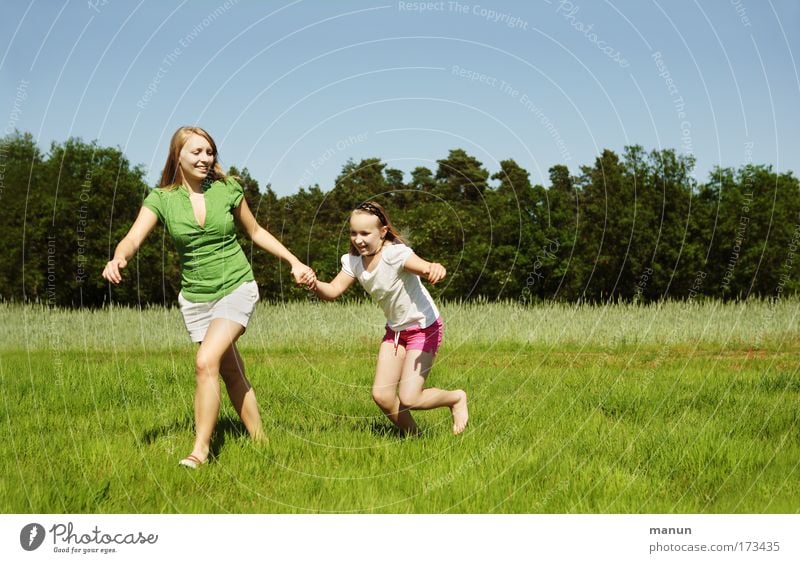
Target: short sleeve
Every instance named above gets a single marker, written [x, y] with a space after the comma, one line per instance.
[397, 254]
[154, 203]
[237, 192]
[346, 266]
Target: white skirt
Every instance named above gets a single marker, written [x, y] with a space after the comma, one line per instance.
[237, 306]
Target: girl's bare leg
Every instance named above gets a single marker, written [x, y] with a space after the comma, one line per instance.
[384, 388]
[241, 393]
[416, 366]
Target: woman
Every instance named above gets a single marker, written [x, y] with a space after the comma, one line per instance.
[198, 204]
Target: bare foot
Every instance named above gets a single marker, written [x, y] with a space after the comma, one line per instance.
[460, 413]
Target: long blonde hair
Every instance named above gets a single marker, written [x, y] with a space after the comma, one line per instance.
[171, 176]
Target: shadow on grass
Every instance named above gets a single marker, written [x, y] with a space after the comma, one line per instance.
[227, 427]
[381, 429]
[151, 435]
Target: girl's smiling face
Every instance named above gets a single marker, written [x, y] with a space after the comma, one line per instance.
[366, 232]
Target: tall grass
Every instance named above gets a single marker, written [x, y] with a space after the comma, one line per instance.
[663, 408]
[754, 324]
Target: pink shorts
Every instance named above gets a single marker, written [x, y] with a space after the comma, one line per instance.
[426, 339]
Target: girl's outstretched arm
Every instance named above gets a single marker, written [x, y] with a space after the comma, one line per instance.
[332, 290]
[431, 271]
[264, 239]
[127, 247]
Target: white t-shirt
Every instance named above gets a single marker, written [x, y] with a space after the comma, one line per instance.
[404, 300]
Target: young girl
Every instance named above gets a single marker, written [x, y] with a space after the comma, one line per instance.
[390, 272]
[198, 203]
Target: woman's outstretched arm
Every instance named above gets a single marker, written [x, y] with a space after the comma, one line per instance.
[265, 240]
[129, 245]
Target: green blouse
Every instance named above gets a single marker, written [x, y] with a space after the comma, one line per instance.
[212, 261]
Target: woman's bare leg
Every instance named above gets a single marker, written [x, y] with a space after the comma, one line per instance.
[241, 393]
[221, 335]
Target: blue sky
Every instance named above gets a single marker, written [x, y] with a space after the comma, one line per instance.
[292, 89]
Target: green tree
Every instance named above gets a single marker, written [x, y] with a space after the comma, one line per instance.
[461, 177]
[639, 227]
[23, 248]
[758, 220]
[665, 227]
[357, 182]
[455, 227]
[514, 232]
[94, 195]
[422, 179]
[605, 235]
[554, 274]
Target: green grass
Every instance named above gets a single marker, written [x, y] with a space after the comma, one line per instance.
[574, 409]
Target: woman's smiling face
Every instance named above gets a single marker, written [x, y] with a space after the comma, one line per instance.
[196, 158]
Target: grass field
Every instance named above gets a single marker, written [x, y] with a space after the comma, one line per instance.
[689, 407]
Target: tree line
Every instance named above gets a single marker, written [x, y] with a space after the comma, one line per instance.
[633, 227]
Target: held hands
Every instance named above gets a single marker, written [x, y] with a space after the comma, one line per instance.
[111, 271]
[436, 272]
[303, 275]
